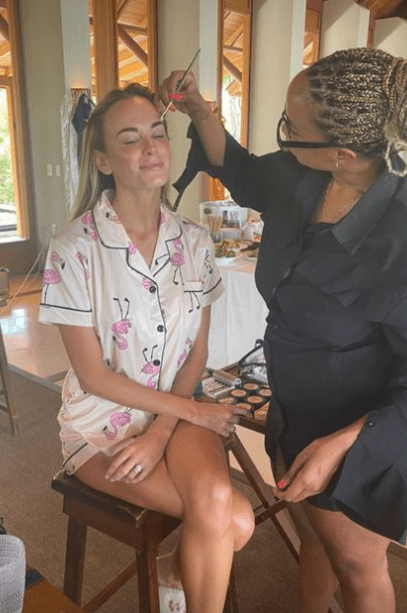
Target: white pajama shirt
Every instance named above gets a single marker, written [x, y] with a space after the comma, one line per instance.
[146, 319]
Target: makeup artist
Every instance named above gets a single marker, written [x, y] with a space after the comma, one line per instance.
[332, 269]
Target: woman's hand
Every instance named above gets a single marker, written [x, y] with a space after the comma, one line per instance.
[315, 465]
[221, 418]
[134, 460]
[188, 100]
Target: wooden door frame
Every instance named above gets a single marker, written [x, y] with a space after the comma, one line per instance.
[18, 254]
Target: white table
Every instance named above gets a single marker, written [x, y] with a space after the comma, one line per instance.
[238, 317]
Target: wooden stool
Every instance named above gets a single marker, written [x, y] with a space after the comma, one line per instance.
[135, 526]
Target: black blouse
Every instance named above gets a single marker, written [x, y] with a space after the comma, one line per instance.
[336, 337]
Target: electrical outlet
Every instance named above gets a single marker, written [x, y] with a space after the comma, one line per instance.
[53, 229]
[49, 170]
[57, 170]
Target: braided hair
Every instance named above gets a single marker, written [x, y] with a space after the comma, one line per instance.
[360, 98]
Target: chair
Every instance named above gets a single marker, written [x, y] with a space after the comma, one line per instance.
[140, 528]
[7, 404]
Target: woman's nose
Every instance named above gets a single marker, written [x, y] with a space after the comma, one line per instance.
[148, 144]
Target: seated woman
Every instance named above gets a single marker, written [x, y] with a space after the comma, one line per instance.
[130, 284]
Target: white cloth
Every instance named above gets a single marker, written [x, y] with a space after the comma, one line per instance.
[146, 319]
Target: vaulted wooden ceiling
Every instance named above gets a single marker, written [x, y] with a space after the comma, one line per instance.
[386, 8]
[133, 33]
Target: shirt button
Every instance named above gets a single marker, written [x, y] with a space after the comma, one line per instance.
[370, 424]
[156, 362]
[152, 289]
[160, 328]
[276, 327]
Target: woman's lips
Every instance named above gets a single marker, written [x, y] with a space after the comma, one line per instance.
[152, 166]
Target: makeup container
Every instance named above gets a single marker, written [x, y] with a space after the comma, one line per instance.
[255, 402]
[226, 378]
[265, 392]
[250, 387]
[227, 400]
[244, 405]
[261, 413]
[238, 394]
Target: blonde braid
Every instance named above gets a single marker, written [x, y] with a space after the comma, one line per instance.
[395, 88]
[360, 102]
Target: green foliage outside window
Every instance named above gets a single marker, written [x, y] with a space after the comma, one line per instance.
[6, 176]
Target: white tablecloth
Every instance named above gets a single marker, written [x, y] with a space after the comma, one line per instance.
[238, 317]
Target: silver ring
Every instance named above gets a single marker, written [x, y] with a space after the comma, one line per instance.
[137, 468]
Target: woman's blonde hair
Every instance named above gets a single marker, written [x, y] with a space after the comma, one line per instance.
[360, 98]
[92, 182]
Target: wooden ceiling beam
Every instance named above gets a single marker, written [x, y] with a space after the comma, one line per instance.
[4, 28]
[383, 8]
[6, 81]
[137, 30]
[231, 68]
[236, 34]
[121, 5]
[232, 49]
[132, 45]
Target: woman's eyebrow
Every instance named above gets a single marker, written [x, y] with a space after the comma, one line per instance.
[134, 129]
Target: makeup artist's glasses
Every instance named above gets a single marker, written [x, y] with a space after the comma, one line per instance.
[283, 128]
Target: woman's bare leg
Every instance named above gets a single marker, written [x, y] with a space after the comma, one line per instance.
[318, 581]
[194, 485]
[359, 559]
[217, 519]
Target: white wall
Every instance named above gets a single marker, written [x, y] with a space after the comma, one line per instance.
[277, 35]
[45, 88]
[391, 36]
[178, 41]
[345, 25]
[75, 43]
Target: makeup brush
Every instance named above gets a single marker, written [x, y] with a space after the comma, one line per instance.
[180, 83]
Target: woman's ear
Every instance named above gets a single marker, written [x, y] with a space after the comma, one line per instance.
[345, 156]
[101, 162]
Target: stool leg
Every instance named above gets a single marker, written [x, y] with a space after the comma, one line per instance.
[8, 404]
[147, 581]
[74, 560]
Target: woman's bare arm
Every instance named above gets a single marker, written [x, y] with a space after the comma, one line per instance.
[84, 352]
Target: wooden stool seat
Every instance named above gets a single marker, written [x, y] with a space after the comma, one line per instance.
[135, 526]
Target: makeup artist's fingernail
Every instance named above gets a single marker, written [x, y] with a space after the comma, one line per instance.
[281, 484]
[176, 96]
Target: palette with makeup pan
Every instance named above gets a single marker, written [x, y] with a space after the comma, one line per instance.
[251, 396]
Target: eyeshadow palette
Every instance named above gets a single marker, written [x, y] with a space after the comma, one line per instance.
[253, 397]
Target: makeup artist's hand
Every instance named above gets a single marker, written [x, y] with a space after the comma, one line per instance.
[314, 466]
[188, 100]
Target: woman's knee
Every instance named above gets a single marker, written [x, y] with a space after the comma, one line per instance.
[210, 504]
[243, 520]
[358, 567]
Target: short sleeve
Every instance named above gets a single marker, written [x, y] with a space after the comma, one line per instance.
[213, 286]
[65, 295]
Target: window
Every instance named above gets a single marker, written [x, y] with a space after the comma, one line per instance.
[123, 36]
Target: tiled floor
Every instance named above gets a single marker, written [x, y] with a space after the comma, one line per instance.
[30, 346]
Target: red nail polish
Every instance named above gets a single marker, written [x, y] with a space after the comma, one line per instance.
[176, 96]
[281, 484]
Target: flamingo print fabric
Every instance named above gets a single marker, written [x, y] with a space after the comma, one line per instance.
[146, 318]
